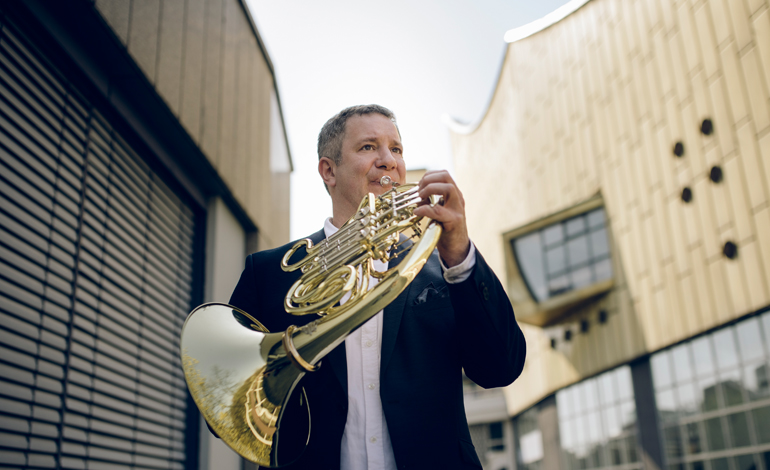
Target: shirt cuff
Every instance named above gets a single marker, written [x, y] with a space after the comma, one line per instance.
[461, 272]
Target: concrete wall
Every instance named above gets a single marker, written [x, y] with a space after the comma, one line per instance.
[225, 255]
[595, 103]
[205, 61]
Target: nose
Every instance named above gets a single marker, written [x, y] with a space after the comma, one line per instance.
[385, 159]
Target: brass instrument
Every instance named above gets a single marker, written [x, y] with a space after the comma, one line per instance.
[242, 377]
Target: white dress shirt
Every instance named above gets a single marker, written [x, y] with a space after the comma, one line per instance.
[366, 441]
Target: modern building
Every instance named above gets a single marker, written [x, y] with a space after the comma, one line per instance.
[142, 155]
[619, 181]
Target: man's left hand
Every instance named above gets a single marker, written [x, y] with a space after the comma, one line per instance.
[454, 244]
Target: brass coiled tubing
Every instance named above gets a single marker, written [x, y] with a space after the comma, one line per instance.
[244, 379]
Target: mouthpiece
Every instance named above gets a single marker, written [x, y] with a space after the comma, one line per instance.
[386, 180]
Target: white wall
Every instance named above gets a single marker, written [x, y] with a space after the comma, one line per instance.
[225, 255]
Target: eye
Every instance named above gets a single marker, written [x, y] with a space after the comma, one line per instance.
[368, 147]
[397, 150]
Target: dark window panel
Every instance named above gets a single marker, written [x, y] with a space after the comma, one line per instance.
[738, 429]
[715, 434]
[694, 440]
[672, 440]
[745, 462]
[761, 418]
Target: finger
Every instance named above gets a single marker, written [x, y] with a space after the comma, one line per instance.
[436, 176]
[437, 213]
[449, 191]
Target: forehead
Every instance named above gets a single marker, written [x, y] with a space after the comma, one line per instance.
[372, 126]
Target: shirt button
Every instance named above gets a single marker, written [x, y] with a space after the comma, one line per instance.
[368, 343]
[371, 386]
[372, 439]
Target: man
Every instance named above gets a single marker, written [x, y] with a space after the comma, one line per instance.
[391, 395]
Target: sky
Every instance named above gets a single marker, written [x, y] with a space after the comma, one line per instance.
[420, 58]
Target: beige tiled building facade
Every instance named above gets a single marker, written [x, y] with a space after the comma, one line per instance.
[655, 115]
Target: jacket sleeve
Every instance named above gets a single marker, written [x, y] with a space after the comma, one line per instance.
[492, 345]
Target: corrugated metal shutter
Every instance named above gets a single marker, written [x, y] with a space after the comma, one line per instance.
[95, 283]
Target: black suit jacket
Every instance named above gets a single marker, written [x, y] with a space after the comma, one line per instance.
[431, 332]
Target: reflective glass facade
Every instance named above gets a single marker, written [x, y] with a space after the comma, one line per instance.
[529, 445]
[713, 399]
[597, 422]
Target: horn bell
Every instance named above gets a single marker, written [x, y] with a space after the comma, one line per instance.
[225, 357]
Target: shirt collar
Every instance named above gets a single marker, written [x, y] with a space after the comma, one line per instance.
[329, 228]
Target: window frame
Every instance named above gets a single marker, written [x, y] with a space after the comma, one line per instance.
[553, 309]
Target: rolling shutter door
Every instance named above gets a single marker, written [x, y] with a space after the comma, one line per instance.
[95, 282]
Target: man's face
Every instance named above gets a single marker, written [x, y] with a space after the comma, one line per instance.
[371, 149]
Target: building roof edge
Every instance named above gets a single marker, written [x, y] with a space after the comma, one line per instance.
[550, 19]
[514, 35]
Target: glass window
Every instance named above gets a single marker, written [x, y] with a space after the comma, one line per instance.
[750, 340]
[702, 354]
[712, 395]
[565, 256]
[762, 424]
[529, 448]
[601, 432]
[724, 344]
[682, 366]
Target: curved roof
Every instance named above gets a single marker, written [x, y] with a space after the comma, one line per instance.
[511, 36]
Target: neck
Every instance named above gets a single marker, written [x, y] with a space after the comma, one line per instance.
[338, 220]
[341, 212]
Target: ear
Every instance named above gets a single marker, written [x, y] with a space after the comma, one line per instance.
[328, 170]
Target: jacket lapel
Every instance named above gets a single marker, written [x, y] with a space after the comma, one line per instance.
[392, 314]
[337, 359]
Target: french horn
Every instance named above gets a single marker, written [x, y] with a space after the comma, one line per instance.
[244, 378]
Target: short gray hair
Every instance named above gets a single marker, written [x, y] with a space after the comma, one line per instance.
[332, 133]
